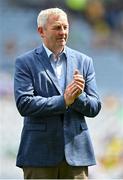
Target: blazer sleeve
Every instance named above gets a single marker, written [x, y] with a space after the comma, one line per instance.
[88, 103]
[27, 103]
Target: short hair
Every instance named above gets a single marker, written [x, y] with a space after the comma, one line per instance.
[44, 15]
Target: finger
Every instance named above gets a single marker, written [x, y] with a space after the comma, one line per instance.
[75, 93]
[70, 86]
[78, 76]
[71, 90]
[74, 86]
[80, 88]
[79, 80]
[80, 85]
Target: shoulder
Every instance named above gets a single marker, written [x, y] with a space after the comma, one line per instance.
[78, 55]
[25, 60]
[26, 55]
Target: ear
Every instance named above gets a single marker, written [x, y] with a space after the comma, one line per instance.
[41, 31]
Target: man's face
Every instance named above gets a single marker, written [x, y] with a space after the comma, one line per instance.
[55, 33]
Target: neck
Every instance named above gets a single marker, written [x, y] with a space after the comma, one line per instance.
[56, 51]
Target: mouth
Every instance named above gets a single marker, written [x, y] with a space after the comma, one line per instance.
[61, 39]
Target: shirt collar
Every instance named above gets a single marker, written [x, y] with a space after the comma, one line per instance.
[50, 52]
[47, 50]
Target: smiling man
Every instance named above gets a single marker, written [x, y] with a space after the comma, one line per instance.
[55, 89]
[54, 32]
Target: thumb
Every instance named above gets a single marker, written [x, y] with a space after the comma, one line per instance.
[76, 72]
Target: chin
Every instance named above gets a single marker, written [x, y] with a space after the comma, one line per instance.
[62, 43]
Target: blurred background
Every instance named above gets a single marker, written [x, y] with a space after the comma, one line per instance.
[96, 28]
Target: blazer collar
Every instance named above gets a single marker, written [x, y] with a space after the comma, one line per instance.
[43, 57]
[71, 65]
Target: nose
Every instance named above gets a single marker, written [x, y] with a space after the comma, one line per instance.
[62, 30]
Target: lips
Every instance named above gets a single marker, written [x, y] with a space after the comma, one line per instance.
[61, 39]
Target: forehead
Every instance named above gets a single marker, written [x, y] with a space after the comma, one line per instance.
[57, 19]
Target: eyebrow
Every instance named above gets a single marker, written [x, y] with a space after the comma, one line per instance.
[58, 24]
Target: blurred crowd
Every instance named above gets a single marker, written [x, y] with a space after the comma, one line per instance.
[105, 17]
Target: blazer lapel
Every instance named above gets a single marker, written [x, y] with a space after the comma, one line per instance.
[42, 56]
[70, 66]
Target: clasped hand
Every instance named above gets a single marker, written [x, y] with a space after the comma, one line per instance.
[74, 89]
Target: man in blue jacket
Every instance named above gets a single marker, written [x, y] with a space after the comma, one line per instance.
[55, 89]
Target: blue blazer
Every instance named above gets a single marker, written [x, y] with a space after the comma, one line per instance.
[52, 132]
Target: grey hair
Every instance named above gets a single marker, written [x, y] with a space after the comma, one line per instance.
[44, 15]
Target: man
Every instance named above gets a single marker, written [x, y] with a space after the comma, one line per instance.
[55, 89]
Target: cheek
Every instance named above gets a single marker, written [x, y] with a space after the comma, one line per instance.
[52, 35]
[67, 32]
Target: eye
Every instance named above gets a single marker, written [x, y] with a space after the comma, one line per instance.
[65, 27]
[58, 27]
